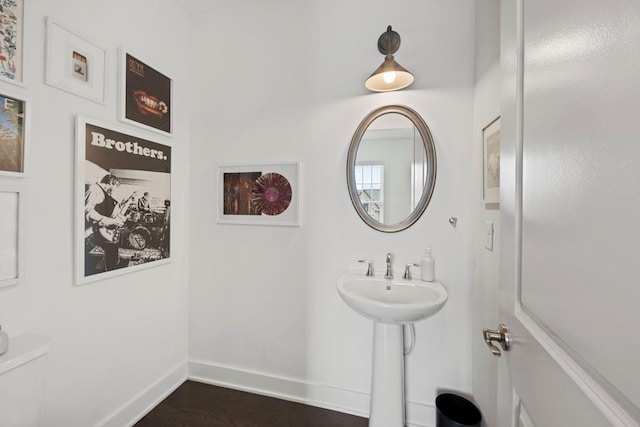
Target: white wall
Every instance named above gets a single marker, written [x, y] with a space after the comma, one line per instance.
[283, 80]
[486, 107]
[113, 340]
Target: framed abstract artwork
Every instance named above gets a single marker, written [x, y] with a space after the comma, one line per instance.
[259, 194]
[74, 64]
[491, 162]
[123, 201]
[145, 95]
[11, 237]
[15, 115]
[12, 41]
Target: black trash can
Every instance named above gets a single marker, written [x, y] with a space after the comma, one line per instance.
[456, 411]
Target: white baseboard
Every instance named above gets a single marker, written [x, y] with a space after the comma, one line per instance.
[321, 395]
[137, 407]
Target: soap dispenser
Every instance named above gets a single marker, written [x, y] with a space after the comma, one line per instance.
[427, 267]
[4, 341]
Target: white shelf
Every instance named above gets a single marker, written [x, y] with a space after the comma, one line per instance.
[23, 349]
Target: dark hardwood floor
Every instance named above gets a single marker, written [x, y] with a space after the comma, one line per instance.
[198, 405]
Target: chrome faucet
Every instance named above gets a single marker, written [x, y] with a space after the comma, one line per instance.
[389, 274]
[407, 270]
[369, 269]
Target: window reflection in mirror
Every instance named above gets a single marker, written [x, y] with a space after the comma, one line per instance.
[370, 183]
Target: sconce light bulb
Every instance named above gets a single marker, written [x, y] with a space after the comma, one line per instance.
[389, 76]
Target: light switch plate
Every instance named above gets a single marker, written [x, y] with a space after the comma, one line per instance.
[488, 235]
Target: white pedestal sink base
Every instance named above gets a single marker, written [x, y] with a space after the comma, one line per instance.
[387, 379]
[390, 303]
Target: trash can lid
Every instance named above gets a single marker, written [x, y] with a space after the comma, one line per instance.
[458, 409]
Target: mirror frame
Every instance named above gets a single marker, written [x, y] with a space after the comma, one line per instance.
[430, 151]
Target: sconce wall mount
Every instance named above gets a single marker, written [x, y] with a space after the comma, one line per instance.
[390, 75]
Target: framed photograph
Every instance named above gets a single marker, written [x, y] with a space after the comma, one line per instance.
[123, 201]
[259, 194]
[10, 237]
[75, 65]
[145, 95]
[12, 41]
[15, 116]
[491, 155]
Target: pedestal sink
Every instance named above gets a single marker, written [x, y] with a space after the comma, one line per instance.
[390, 303]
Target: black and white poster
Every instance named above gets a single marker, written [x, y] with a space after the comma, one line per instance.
[123, 201]
[147, 95]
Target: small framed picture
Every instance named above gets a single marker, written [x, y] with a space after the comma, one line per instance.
[74, 64]
[491, 168]
[14, 131]
[10, 237]
[145, 95]
[259, 194]
[123, 201]
[12, 41]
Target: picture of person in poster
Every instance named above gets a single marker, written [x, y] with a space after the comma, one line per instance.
[148, 95]
[143, 203]
[99, 207]
[120, 170]
[11, 134]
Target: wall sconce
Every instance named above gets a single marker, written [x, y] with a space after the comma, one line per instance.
[390, 75]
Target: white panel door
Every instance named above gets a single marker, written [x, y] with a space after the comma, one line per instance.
[570, 213]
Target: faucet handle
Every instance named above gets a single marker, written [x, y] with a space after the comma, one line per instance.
[407, 270]
[369, 269]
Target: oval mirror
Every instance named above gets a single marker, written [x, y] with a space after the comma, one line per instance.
[391, 168]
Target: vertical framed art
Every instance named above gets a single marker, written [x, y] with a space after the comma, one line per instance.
[14, 132]
[259, 194]
[10, 237]
[123, 201]
[12, 41]
[74, 64]
[491, 162]
[146, 95]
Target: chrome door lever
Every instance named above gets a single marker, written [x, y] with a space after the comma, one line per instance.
[501, 336]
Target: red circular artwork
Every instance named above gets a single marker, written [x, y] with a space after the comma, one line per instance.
[271, 194]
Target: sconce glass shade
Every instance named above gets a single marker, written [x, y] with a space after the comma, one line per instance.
[389, 76]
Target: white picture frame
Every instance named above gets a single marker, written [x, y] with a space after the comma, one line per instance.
[491, 162]
[259, 194]
[12, 43]
[145, 95]
[11, 236]
[142, 165]
[15, 126]
[74, 64]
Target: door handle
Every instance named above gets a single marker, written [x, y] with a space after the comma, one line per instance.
[501, 336]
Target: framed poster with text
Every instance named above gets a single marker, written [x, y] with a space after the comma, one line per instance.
[146, 95]
[123, 201]
[14, 131]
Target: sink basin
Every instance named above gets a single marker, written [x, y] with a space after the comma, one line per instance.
[392, 301]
